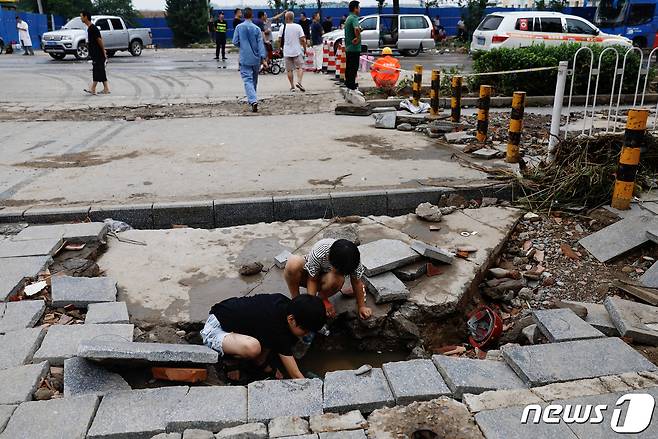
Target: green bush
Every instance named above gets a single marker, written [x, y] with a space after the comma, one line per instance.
[543, 82]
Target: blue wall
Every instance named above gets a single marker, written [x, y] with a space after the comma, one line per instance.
[38, 26]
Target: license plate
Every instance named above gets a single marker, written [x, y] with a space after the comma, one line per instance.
[51, 43]
[481, 41]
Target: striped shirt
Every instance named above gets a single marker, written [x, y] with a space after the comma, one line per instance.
[317, 261]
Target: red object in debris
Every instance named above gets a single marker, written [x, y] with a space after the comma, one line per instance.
[179, 374]
[485, 325]
[433, 270]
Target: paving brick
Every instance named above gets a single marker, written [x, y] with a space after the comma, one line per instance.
[327, 422]
[18, 347]
[168, 436]
[351, 434]
[302, 207]
[571, 389]
[598, 317]
[17, 384]
[78, 233]
[303, 436]
[563, 325]
[572, 360]
[139, 216]
[344, 391]
[361, 203]
[238, 211]
[54, 419]
[619, 237]
[109, 312]
[287, 426]
[414, 380]
[10, 248]
[5, 414]
[81, 291]
[432, 252]
[281, 259]
[498, 399]
[465, 375]
[61, 341]
[635, 320]
[386, 287]
[189, 213]
[83, 377]
[412, 271]
[505, 424]
[210, 408]
[20, 315]
[123, 351]
[385, 255]
[14, 272]
[255, 430]
[272, 399]
[135, 414]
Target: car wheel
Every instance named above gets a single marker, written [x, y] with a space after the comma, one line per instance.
[136, 48]
[82, 52]
[57, 56]
[110, 53]
[412, 52]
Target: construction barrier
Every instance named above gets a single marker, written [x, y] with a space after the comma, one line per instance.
[325, 57]
[629, 159]
[515, 127]
[456, 99]
[331, 65]
[309, 64]
[435, 87]
[417, 84]
[339, 57]
[483, 112]
[343, 63]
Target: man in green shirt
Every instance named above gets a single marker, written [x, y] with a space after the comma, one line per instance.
[352, 45]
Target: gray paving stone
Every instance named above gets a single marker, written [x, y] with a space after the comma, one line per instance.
[135, 414]
[168, 436]
[81, 291]
[412, 271]
[650, 277]
[351, 434]
[303, 436]
[5, 414]
[287, 426]
[344, 391]
[414, 380]
[17, 384]
[189, 213]
[272, 399]
[20, 315]
[18, 347]
[633, 319]
[598, 317]
[61, 341]
[386, 287]
[326, 422]
[210, 408]
[123, 351]
[255, 430]
[361, 203]
[465, 375]
[64, 418]
[432, 252]
[196, 433]
[563, 325]
[281, 259]
[83, 377]
[385, 255]
[10, 248]
[505, 424]
[619, 237]
[573, 360]
[14, 272]
[78, 233]
[109, 312]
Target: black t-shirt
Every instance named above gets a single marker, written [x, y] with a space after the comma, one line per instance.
[263, 316]
[236, 21]
[306, 27]
[326, 26]
[93, 34]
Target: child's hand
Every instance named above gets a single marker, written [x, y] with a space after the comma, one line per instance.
[331, 312]
[365, 313]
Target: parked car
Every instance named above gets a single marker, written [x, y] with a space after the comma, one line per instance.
[408, 33]
[72, 38]
[519, 29]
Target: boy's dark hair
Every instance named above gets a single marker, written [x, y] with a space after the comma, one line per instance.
[261, 14]
[248, 13]
[86, 14]
[235, 11]
[353, 5]
[308, 311]
[344, 256]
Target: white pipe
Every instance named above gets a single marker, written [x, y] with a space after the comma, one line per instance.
[557, 108]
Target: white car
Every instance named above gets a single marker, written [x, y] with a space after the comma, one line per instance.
[520, 29]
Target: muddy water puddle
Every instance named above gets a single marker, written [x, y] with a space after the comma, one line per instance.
[320, 361]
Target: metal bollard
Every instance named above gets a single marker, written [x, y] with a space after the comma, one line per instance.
[434, 92]
[483, 112]
[629, 158]
[418, 80]
[456, 99]
[515, 127]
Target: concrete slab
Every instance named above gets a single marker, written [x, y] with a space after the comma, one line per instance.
[345, 391]
[327, 422]
[635, 320]
[432, 252]
[498, 399]
[67, 418]
[10, 248]
[109, 312]
[287, 426]
[210, 408]
[5, 413]
[598, 317]
[351, 434]
[17, 384]
[62, 341]
[271, 399]
[135, 414]
[14, 271]
[18, 347]
[563, 325]
[619, 237]
[650, 277]
[21, 315]
[385, 255]
[256, 430]
[506, 424]
[81, 291]
[572, 360]
[465, 375]
[84, 377]
[122, 351]
[77, 233]
[386, 287]
[414, 380]
[412, 271]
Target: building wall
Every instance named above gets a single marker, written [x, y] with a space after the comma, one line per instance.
[38, 24]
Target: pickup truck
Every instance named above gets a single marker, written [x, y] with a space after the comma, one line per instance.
[72, 38]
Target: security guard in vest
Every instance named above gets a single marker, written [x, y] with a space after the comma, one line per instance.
[220, 36]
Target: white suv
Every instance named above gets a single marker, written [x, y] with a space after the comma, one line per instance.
[519, 29]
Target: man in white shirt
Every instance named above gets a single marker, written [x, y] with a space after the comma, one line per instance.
[24, 36]
[294, 47]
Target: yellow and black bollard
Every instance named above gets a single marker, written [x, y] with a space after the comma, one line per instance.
[434, 92]
[629, 158]
[515, 127]
[456, 99]
[418, 80]
[483, 112]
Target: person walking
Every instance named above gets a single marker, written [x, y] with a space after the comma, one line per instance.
[97, 54]
[24, 36]
[294, 46]
[220, 36]
[316, 42]
[305, 23]
[249, 39]
[352, 47]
